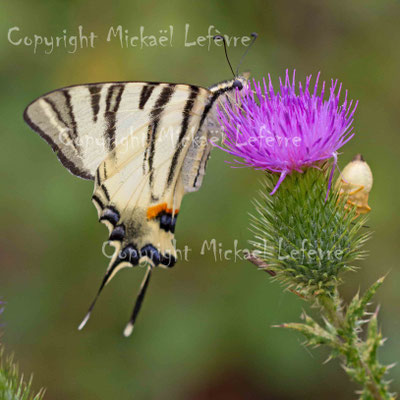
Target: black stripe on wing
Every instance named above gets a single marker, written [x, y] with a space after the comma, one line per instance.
[211, 102]
[194, 91]
[155, 116]
[60, 155]
[145, 94]
[202, 165]
[98, 201]
[227, 87]
[113, 101]
[70, 112]
[60, 119]
[95, 99]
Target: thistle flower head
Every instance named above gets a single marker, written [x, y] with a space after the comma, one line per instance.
[306, 240]
[284, 131]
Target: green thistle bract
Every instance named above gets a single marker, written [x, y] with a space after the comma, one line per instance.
[304, 239]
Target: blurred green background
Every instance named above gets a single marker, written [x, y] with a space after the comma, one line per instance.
[205, 328]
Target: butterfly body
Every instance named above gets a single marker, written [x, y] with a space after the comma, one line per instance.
[145, 145]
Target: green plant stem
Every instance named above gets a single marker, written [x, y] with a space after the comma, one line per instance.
[333, 312]
[342, 334]
[331, 309]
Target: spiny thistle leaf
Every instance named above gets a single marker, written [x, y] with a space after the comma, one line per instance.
[357, 307]
[314, 333]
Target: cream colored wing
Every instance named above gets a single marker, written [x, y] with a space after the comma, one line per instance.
[83, 123]
[145, 145]
[139, 186]
[195, 163]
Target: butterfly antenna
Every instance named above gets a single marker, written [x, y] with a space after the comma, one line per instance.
[220, 37]
[138, 304]
[255, 36]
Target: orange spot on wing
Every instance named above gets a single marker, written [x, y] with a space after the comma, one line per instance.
[169, 211]
[154, 211]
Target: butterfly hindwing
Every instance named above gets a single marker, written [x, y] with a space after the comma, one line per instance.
[141, 178]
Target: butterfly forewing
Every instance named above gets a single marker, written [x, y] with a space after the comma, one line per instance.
[83, 123]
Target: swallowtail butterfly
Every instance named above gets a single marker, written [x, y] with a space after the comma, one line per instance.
[144, 144]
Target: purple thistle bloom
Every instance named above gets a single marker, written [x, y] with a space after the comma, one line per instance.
[283, 131]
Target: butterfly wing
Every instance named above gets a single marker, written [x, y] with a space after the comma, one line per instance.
[195, 163]
[83, 123]
[145, 145]
[139, 187]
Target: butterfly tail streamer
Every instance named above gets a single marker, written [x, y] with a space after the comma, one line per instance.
[138, 304]
[87, 316]
[107, 277]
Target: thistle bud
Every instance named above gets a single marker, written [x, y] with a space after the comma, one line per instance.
[355, 182]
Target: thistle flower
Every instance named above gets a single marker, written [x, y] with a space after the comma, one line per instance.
[282, 131]
[303, 233]
[306, 236]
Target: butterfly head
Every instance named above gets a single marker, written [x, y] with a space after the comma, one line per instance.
[237, 84]
[241, 80]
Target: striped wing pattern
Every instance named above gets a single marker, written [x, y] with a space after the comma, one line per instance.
[145, 145]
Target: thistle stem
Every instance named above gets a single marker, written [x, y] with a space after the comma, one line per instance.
[377, 392]
[332, 310]
[347, 342]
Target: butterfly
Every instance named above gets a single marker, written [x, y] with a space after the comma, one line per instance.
[145, 145]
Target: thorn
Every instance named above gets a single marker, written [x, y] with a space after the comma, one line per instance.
[279, 326]
[375, 314]
[380, 280]
[327, 360]
[298, 294]
[391, 365]
[367, 313]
